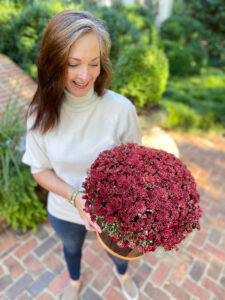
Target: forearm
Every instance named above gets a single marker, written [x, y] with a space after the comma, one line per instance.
[51, 182]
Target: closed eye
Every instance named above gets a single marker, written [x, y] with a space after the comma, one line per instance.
[73, 66]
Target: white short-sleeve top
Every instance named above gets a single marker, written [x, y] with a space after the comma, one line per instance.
[88, 125]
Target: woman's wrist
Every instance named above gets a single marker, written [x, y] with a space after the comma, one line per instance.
[72, 196]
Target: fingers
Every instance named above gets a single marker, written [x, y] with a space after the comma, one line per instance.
[89, 226]
[93, 225]
[96, 227]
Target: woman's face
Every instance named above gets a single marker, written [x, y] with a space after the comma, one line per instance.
[83, 64]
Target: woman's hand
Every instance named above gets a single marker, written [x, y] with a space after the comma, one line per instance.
[80, 204]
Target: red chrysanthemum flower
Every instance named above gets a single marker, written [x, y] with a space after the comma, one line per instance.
[143, 197]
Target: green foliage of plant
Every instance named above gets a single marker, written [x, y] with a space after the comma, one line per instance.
[23, 29]
[7, 37]
[182, 42]
[19, 204]
[141, 74]
[211, 14]
[197, 102]
[143, 19]
[182, 29]
[185, 60]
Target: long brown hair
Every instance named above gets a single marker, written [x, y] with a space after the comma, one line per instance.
[62, 31]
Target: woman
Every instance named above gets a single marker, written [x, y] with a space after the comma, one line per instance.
[71, 119]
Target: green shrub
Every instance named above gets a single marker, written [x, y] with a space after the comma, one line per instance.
[182, 29]
[199, 99]
[182, 42]
[185, 60]
[184, 118]
[181, 117]
[7, 37]
[19, 204]
[211, 14]
[23, 28]
[30, 26]
[143, 19]
[141, 74]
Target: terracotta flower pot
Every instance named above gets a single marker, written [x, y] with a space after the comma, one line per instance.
[111, 246]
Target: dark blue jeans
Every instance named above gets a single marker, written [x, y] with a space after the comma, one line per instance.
[72, 236]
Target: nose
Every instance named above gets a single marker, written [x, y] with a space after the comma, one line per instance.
[83, 74]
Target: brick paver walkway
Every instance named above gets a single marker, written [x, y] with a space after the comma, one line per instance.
[32, 266]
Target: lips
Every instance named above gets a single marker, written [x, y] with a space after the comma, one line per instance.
[80, 85]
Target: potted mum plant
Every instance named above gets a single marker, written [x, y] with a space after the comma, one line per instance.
[142, 198]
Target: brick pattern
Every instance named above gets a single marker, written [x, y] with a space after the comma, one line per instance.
[14, 83]
[32, 266]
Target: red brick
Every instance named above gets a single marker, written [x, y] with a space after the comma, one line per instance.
[104, 256]
[150, 258]
[92, 260]
[27, 247]
[196, 290]
[25, 236]
[222, 247]
[142, 297]
[222, 281]
[220, 224]
[115, 283]
[52, 262]
[96, 246]
[142, 274]
[134, 264]
[199, 253]
[32, 264]
[87, 276]
[9, 241]
[214, 251]
[214, 211]
[45, 296]
[222, 221]
[9, 251]
[102, 278]
[1, 271]
[160, 274]
[59, 250]
[199, 238]
[155, 293]
[169, 259]
[23, 297]
[14, 267]
[112, 294]
[185, 256]
[60, 283]
[214, 269]
[177, 292]
[213, 287]
[179, 273]
[197, 270]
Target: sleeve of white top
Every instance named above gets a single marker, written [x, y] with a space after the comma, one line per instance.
[132, 129]
[35, 154]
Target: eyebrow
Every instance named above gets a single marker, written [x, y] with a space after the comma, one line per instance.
[80, 59]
